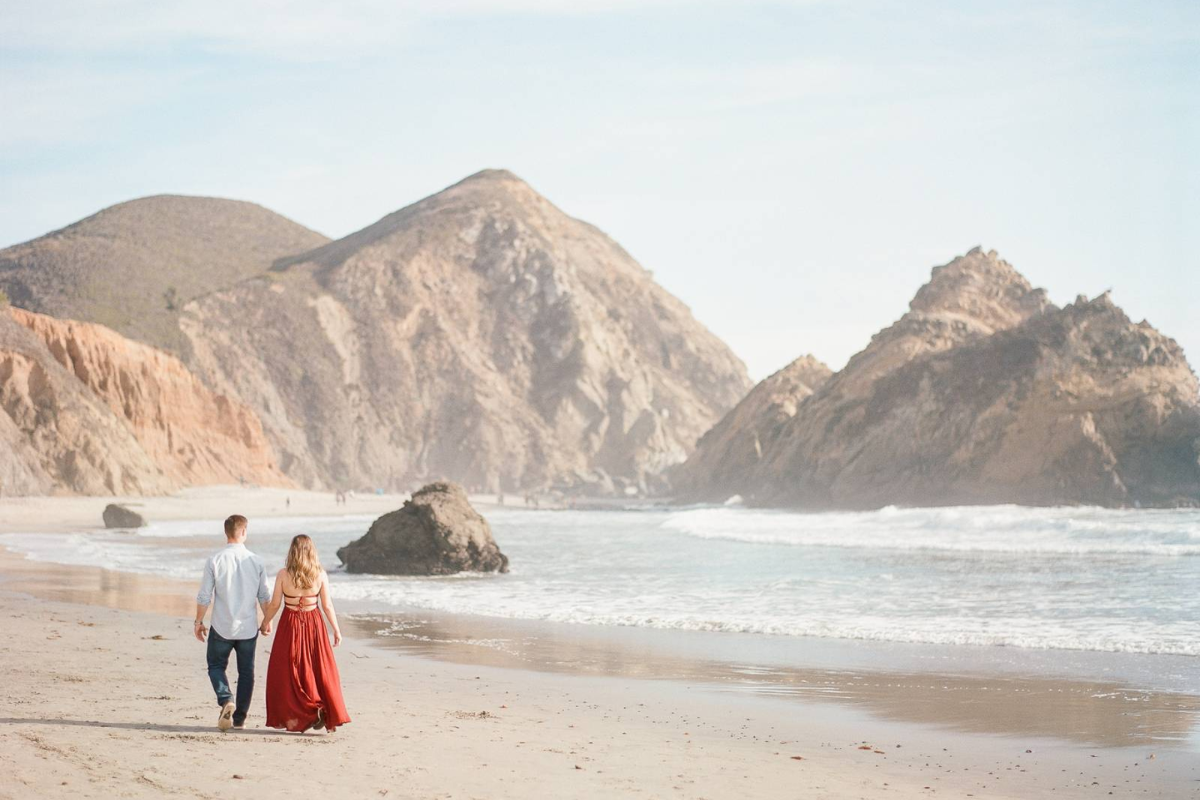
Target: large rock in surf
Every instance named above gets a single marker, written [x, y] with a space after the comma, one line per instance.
[437, 532]
[116, 516]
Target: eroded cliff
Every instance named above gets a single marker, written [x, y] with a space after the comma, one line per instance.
[90, 411]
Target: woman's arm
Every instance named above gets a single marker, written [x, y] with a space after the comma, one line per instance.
[327, 607]
[272, 608]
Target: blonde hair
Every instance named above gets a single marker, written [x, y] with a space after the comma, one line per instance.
[303, 563]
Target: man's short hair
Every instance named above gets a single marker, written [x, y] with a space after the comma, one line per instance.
[234, 525]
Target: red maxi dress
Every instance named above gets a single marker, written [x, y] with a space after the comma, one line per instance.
[302, 676]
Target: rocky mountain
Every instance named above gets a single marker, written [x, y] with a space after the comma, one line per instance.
[984, 392]
[83, 409]
[727, 455]
[132, 266]
[481, 335]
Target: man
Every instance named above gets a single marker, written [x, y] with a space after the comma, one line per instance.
[235, 581]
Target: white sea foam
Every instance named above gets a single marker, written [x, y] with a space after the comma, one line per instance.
[997, 529]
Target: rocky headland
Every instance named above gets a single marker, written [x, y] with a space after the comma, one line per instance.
[985, 392]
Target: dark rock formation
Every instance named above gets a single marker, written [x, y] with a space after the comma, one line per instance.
[437, 532]
[116, 516]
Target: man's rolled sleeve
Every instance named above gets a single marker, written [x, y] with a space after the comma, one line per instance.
[207, 584]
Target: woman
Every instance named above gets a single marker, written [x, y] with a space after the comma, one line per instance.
[303, 687]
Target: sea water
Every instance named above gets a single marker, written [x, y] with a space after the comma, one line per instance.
[1077, 579]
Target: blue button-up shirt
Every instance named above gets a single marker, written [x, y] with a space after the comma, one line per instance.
[234, 580]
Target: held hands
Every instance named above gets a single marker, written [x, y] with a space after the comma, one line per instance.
[265, 628]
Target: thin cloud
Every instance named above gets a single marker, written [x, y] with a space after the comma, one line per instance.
[63, 104]
[295, 29]
[302, 30]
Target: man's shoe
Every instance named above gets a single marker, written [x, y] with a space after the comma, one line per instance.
[239, 726]
[225, 719]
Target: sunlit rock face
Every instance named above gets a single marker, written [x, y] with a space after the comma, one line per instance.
[984, 392]
[480, 334]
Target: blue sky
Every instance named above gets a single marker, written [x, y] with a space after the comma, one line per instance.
[791, 170]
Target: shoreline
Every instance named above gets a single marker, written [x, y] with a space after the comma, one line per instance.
[634, 712]
[36, 514]
[634, 736]
[967, 696]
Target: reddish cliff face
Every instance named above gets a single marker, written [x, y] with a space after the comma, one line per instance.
[55, 434]
[187, 433]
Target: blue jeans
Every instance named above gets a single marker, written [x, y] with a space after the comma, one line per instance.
[219, 649]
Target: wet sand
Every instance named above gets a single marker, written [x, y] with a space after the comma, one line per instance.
[108, 697]
[1086, 712]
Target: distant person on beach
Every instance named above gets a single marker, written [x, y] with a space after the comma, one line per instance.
[234, 583]
[304, 690]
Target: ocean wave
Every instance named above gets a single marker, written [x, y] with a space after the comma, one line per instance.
[1059, 579]
[106, 551]
[1097, 635]
[1183, 645]
[990, 529]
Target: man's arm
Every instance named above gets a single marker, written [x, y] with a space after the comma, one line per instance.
[204, 599]
[272, 607]
[264, 594]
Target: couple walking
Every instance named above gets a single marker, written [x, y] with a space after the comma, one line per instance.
[303, 688]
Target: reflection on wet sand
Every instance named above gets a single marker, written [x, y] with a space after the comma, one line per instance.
[91, 586]
[1093, 713]
[1086, 712]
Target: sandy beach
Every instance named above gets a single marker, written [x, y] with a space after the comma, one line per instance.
[108, 697]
